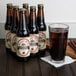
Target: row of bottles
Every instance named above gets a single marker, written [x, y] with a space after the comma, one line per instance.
[25, 34]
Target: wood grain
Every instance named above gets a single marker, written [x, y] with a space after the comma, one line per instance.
[64, 71]
[73, 68]
[14, 68]
[3, 59]
[31, 68]
[47, 69]
[9, 66]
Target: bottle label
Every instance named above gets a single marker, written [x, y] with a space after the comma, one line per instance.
[34, 48]
[7, 39]
[23, 46]
[42, 40]
[13, 42]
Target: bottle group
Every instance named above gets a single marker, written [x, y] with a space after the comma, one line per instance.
[25, 33]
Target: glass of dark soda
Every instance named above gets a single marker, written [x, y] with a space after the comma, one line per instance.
[58, 34]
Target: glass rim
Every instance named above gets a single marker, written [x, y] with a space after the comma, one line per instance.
[52, 24]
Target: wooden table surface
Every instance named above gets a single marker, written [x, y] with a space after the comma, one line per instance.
[34, 67]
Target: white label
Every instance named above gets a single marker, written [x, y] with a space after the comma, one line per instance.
[23, 46]
[7, 38]
[42, 40]
[13, 42]
[34, 48]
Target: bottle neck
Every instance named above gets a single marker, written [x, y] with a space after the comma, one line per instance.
[17, 13]
[33, 18]
[27, 12]
[23, 24]
[15, 16]
[40, 15]
[9, 15]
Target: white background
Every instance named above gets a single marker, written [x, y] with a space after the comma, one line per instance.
[55, 11]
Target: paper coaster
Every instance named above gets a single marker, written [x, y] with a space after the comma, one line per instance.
[67, 60]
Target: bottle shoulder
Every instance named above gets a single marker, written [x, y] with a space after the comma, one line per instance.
[34, 30]
[7, 26]
[42, 27]
[14, 28]
[22, 33]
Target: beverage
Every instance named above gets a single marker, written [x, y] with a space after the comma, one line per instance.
[14, 28]
[58, 42]
[34, 33]
[42, 29]
[23, 44]
[8, 27]
[26, 6]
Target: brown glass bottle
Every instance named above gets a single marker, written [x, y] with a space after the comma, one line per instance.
[42, 30]
[14, 28]
[34, 32]
[8, 27]
[23, 51]
[26, 6]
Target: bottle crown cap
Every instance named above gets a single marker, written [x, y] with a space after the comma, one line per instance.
[32, 7]
[25, 5]
[16, 6]
[40, 5]
[9, 5]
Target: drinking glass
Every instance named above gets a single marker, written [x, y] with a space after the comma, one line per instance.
[58, 34]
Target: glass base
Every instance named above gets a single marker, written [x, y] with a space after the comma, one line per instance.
[58, 61]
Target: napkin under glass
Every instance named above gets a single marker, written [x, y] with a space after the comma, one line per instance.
[67, 60]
